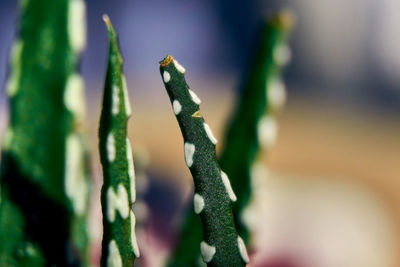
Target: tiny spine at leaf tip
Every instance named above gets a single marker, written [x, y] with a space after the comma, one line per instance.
[213, 193]
[119, 246]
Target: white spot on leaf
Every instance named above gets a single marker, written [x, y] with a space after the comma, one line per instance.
[210, 134]
[117, 202]
[7, 139]
[228, 186]
[77, 25]
[195, 98]
[74, 96]
[128, 109]
[75, 185]
[276, 94]
[267, 131]
[166, 76]
[115, 100]
[15, 66]
[179, 67]
[242, 250]
[135, 246]
[177, 107]
[111, 149]
[114, 257]
[198, 203]
[282, 54]
[131, 170]
[189, 153]
[207, 251]
[259, 174]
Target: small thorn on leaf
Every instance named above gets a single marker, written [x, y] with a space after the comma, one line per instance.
[197, 114]
[107, 20]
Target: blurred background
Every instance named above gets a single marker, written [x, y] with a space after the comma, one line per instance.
[331, 197]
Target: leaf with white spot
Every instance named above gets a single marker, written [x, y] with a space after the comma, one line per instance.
[198, 203]
[228, 186]
[243, 250]
[119, 188]
[189, 153]
[211, 198]
[117, 202]
[210, 134]
[242, 143]
[166, 76]
[207, 251]
[177, 107]
[77, 25]
[44, 159]
[179, 67]
[195, 98]
[114, 257]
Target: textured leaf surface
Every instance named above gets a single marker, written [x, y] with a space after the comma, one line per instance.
[213, 195]
[119, 247]
[242, 144]
[44, 178]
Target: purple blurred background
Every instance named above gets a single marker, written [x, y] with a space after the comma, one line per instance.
[346, 51]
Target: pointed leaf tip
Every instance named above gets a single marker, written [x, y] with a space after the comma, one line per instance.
[168, 59]
[107, 20]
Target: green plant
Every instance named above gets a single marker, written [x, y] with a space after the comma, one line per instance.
[119, 247]
[44, 174]
[213, 193]
[253, 126]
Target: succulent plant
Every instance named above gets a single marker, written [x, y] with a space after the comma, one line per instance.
[213, 196]
[119, 246]
[44, 174]
[253, 127]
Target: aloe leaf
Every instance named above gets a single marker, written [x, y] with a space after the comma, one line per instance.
[213, 198]
[252, 127]
[44, 174]
[119, 246]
